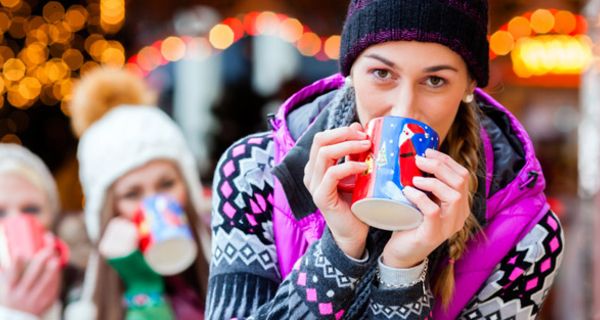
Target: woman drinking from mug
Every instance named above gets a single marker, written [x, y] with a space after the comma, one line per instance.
[30, 282]
[287, 244]
[129, 152]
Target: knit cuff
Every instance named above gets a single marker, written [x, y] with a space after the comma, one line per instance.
[399, 277]
[348, 266]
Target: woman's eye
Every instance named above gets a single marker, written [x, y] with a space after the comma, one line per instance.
[2, 213]
[382, 74]
[435, 82]
[167, 184]
[133, 195]
[31, 210]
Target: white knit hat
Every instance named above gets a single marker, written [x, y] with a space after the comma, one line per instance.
[126, 138]
[17, 159]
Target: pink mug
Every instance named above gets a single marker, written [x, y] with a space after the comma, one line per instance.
[24, 236]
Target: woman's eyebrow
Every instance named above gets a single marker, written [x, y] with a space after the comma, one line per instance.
[440, 68]
[381, 59]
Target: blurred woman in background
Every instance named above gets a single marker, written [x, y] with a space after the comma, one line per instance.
[130, 150]
[30, 287]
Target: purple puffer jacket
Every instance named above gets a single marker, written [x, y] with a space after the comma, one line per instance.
[511, 212]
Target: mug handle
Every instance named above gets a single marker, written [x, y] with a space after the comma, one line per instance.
[63, 251]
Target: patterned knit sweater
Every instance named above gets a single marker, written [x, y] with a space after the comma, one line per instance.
[245, 282]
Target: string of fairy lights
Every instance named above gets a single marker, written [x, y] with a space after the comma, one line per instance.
[43, 55]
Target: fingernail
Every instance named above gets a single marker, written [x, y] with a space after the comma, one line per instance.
[365, 142]
[418, 179]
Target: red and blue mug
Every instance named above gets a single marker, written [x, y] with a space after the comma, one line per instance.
[166, 239]
[377, 197]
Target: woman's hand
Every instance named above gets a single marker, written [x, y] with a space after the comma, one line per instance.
[322, 175]
[443, 217]
[32, 287]
[120, 238]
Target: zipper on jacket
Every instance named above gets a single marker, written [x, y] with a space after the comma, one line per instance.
[532, 177]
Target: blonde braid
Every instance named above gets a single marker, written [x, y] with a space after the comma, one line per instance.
[463, 145]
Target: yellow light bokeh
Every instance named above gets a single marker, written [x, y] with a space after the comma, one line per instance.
[34, 23]
[30, 88]
[112, 15]
[87, 67]
[40, 74]
[542, 21]
[332, 47]
[173, 48]
[2, 87]
[502, 42]
[309, 44]
[60, 33]
[73, 58]
[56, 69]
[17, 27]
[13, 69]
[519, 27]
[10, 3]
[37, 36]
[565, 22]
[16, 100]
[5, 21]
[113, 57]
[267, 23]
[91, 40]
[53, 11]
[34, 54]
[76, 17]
[291, 30]
[5, 54]
[66, 88]
[98, 48]
[552, 54]
[221, 36]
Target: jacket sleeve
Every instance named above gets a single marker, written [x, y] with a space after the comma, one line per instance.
[519, 284]
[244, 281]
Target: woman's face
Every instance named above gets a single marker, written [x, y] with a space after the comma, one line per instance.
[19, 196]
[423, 81]
[156, 177]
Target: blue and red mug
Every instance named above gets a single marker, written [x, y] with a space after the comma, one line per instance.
[377, 197]
[166, 239]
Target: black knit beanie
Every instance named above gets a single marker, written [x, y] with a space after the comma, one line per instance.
[460, 25]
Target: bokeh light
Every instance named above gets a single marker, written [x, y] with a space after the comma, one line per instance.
[332, 47]
[519, 27]
[565, 22]
[542, 21]
[53, 11]
[502, 42]
[221, 36]
[13, 69]
[173, 48]
[291, 30]
[309, 44]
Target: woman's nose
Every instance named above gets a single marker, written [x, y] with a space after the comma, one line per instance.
[404, 100]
